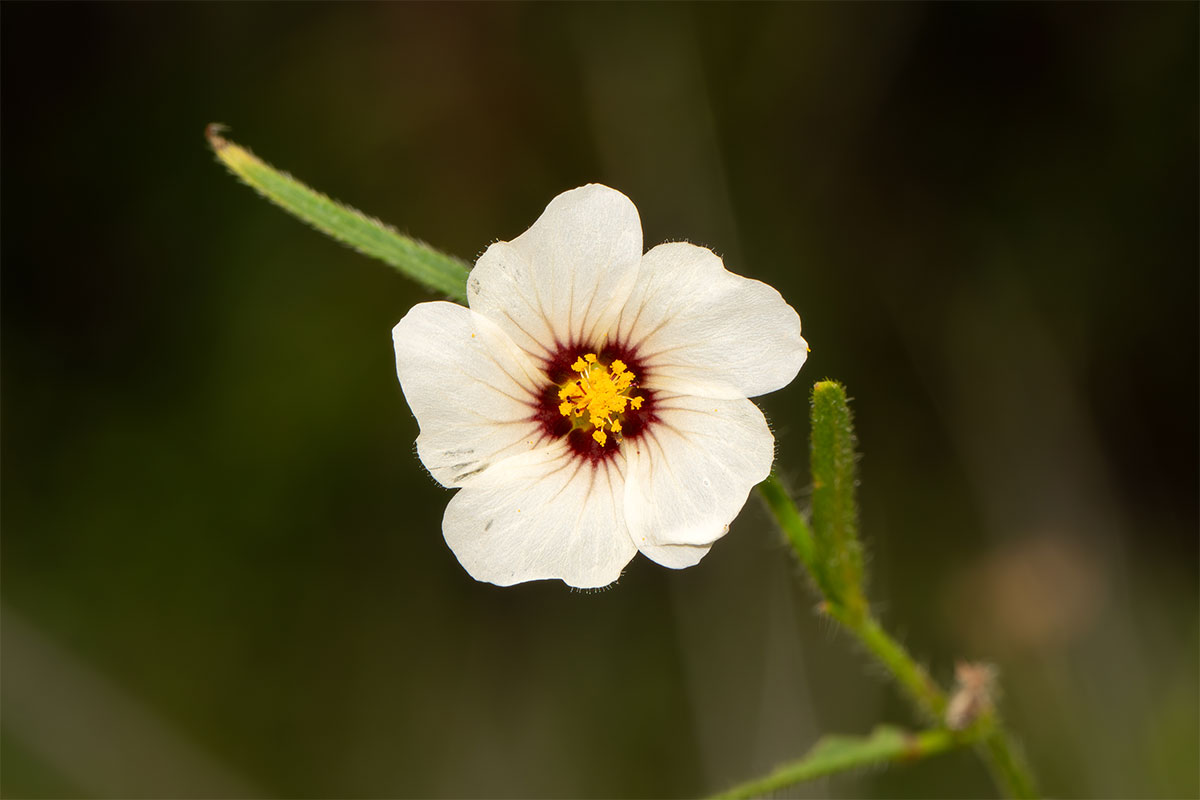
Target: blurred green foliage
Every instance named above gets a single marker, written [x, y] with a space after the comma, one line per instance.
[214, 521]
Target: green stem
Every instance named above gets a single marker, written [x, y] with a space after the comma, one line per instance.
[995, 744]
[894, 747]
[438, 271]
[790, 520]
[1007, 764]
[925, 695]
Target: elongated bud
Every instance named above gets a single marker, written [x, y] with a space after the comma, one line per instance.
[837, 549]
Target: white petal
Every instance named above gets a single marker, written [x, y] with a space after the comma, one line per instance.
[564, 280]
[544, 514]
[470, 388]
[700, 329]
[689, 474]
[675, 556]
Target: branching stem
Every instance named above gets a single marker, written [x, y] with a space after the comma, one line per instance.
[994, 743]
[886, 746]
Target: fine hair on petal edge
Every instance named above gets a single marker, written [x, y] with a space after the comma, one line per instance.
[594, 589]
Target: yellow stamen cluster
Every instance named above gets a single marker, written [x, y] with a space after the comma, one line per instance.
[601, 393]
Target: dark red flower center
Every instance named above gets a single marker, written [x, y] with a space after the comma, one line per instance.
[591, 400]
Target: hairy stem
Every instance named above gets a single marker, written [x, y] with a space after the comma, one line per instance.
[790, 520]
[995, 744]
[1007, 763]
[885, 746]
[922, 691]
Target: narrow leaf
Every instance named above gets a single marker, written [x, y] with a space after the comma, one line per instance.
[437, 271]
[885, 745]
[837, 550]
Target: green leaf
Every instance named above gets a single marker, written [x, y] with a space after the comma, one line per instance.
[885, 745]
[836, 547]
[435, 270]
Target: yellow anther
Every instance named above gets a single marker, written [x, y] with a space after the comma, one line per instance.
[598, 396]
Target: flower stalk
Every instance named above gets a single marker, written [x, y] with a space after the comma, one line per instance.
[790, 521]
[926, 697]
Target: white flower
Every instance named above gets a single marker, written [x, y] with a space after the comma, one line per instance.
[591, 402]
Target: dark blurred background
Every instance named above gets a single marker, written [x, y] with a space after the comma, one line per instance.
[223, 572]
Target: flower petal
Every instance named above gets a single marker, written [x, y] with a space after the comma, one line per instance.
[563, 280]
[689, 474]
[702, 330]
[470, 388]
[675, 556]
[542, 515]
